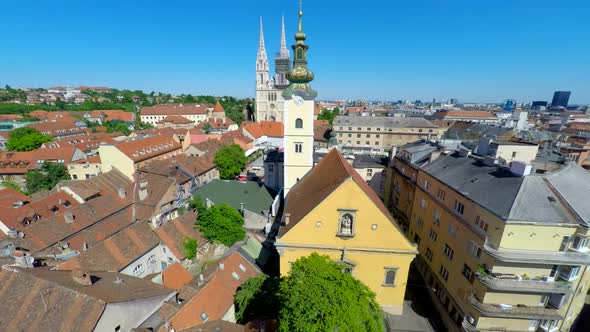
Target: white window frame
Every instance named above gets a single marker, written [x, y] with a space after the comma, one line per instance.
[582, 243]
[459, 207]
[448, 251]
[432, 235]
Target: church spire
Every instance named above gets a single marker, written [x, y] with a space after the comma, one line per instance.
[300, 75]
[284, 50]
[261, 59]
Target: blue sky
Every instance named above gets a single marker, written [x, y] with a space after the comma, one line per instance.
[476, 50]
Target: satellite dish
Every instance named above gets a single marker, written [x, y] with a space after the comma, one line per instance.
[509, 105]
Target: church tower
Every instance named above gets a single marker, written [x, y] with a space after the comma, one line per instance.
[298, 114]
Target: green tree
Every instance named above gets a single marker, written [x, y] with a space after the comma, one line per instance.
[189, 247]
[60, 104]
[326, 114]
[222, 223]
[207, 128]
[257, 298]
[46, 178]
[117, 127]
[25, 139]
[196, 203]
[12, 185]
[230, 161]
[318, 295]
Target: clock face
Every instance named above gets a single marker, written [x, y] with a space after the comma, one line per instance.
[298, 100]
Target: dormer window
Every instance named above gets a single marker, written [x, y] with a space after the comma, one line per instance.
[580, 243]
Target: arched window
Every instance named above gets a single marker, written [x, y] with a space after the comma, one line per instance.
[298, 123]
[299, 54]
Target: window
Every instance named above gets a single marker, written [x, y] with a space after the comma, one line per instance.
[271, 168]
[436, 217]
[152, 259]
[548, 325]
[368, 129]
[118, 328]
[358, 142]
[204, 316]
[349, 135]
[422, 203]
[368, 135]
[444, 273]
[138, 270]
[580, 243]
[298, 147]
[448, 252]
[419, 222]
[359, 128]
[389, 276]
[74, 176]
[298, 123]
[481, 223]
[473, 249]
[417, 239]
[235, 275]
[358, 135]
[459, 207]
[369, 172]
[467, 272]
[428, 254]
[441, 194]
[378, 129]
[568, 272]
[452, 230]
[432, 235]
[299, 54]
[377, 136]
[367, 142]
[426, 184]
[513, 154]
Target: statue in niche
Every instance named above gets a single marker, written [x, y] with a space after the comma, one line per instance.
[346, 224]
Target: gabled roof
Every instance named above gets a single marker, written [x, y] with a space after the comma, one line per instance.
[176, 276]
[9, 197]
[149, 147]
[174, 233]
[44, 300]
[323, 179]
[176, 109]
[264, 128]
[116, 252]
[176, 119]
[217, 296]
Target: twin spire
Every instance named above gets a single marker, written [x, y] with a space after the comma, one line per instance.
[284, 52]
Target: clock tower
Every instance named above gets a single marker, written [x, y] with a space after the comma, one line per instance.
[298, 114]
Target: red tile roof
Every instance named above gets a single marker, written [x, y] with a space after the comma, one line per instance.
[176, 276]
[22, 162]
[150, 147]
[218, 108]
[217, 296]
[175, 232]
[60, 128]
[9, 196]
[117, 115]
[264, 128]
[176, 119]
[217, 123]
[464, 114]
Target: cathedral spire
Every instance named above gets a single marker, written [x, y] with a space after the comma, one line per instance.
[261, 60]
[284, 50]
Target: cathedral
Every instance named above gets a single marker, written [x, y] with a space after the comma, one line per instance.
[269, 90]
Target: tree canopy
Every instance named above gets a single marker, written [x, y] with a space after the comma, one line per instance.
[257, 298]
[318, 295]
[222, 223]
[230, 161]
[46, 178]
[189, 247]
[25, 139]
[117, 126]
[326, 114]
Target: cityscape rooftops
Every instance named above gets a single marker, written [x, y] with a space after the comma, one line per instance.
[176, 231]
[382, 121]
[177, 109]
[250, 195]
[149, 147]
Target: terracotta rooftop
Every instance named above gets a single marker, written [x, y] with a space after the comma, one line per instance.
[9, 197]
[176, 109]
[174, 233]
[218, 326]
[60, 128]
[23, 217]
[216, 123]
[319, 183]
[45, 233]
[116, 252]
[117, 115]
[194, 165]
[110, 182]
[265, 128]
[15, 162]
[83, 142]
[217, 296]
[175, 119]
[218, 108]
[44, 300]
[150, 147]
[166, 168]
[176, 276]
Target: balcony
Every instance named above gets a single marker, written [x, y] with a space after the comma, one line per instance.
[510, 311]
[537, 256]
[513, 283]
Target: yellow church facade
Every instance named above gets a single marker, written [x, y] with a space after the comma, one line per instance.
[333, 212]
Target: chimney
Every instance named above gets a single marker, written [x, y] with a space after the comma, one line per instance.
[69, 217]
[242, 207]
[81, 278]
[287, 217]
[221, 266]
[121, 193]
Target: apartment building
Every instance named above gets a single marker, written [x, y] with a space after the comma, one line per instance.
[466, 115]
[133, 154]
[377, 134]
[196, 113]
[502, 247]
